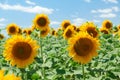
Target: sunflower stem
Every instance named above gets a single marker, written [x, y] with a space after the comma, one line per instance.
[83, 71]
[43, 69]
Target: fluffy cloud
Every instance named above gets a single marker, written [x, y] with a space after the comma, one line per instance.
[29, 2]
[55, 23]
[107, 12]
[78, 21]
[111, 1]
[29, 9]
[2, 19]
[109, 15]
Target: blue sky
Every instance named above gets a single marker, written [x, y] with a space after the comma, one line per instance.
[22, 12]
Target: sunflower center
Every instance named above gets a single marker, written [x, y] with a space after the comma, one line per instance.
[29, 32]
[68, 33]
[93, 33]
[43, 31]
[12, 29]
[104, 31]
[66, 25]
[22, 50]
[108, 25]
[77, 29]
[1, 36]
[41, 21]
[83, 46]
[53, 32]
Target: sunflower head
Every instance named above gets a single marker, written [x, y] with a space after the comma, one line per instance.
[20, 31]
[29, 31]
[1, 36]
[41, 21]
[19, 50]
[90, 28]
[82, 47]
[24, 31]
[77, 29]
[69, 32]
[65, 24]
[1, 74]
[12, 29]
[118, 27]
[11, 77]
[54, 33]
[44, 32]
[107, 24]
[104, 30]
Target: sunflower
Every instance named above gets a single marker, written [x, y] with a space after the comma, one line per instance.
[12, 29]
[20, 51]
[20, 31]
[45, 32]
[77, 29]
[107, 24]
[24, 31]
[118, 27]
[90, 28]
[29, 31]
[69, 32]
[104, 30]
[41, 21]
[11, 77]
[1, 74]
[54, 33]
[65, 24]
[1, 36]
[82, 47]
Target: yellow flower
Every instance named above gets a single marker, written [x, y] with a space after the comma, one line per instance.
[11, 77]
[1, 74]
[24, 31]
[20, 51]
[69, 32]
[107, 24]
[77, 29]
[12, 29]
[118, 27]
[54, 33]
[20, 31]
[45, 32]
[65, 24]
[29, 31]
[41, 21]
[1, 36]
[104, 30]
[90, 28]
[82, 47]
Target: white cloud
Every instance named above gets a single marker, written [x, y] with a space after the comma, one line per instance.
[109, 15]
[1, 24]
[78, 21]
[29, 9]
[88, 1]
[29, 2]
[111, 1]
[55, 23]
[2, 19]
[106, 10]
[96, 21]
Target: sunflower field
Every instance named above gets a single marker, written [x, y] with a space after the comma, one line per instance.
[85, 52]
